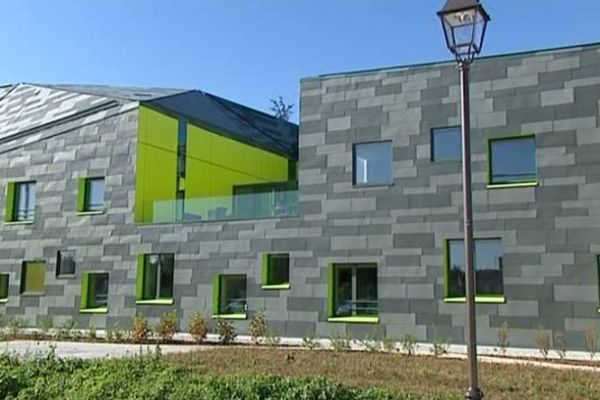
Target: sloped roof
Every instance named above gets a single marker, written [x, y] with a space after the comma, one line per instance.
[130, 93]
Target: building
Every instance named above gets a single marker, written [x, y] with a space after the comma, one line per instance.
[368, 238]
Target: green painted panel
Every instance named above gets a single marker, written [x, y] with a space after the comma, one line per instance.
[3, 286]
[265, 269]
[156, 170]
[33, 277]
[331, 290]
[81, 189]
[10, 202]
[216, 294]
[140, 277]
[85, 285]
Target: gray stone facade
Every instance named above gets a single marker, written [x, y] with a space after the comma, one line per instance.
[550, 233]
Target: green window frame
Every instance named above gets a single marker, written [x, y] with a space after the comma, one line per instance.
[33, 277]
[65, 263]
[276, 271]
[90, 195]
[4, 278]
[503, 170]
[489, 282]
[155, 278]
[20, 202]
[229, 296]
[352, 293]
[94, 292]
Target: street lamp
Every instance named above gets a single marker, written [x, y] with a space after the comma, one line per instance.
[464, 23]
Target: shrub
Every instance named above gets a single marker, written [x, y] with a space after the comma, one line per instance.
[542, 341]
[167, 326]
[140, 329]
[560, 344]
[591, 340]
[226, 331]
[258, 327]
[408, 343]
[311, 341]
[198, 327]
[503, 342]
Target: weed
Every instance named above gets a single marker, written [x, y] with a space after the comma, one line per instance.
[542, 341]
[591, 340]
[408, 343]
[45, 324]
[226, 331]
[140, 330]
[91, 332]
[560, 344]
[258, 327]
[440, 346]
[272, 338]
[198, 327]
[503, 342]
[118, 334]
[311, 341]
[168, 326]
[66, 329]
[14, 327]
[340, 342]
[388, 344]
[371, 342]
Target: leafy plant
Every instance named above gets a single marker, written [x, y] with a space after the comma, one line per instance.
[272, 338]
[258, 327]
[91, 332]
[118, 333]
[226, 331]
[560, 344]
[311, 341]
[340, 342]
[591, 340]
[167, 326]
[371, 342]
[542, 341]
[45, 324]
[198, 327]
[67, 328]
[388, 344]
[14, 327]
[503, 342]
[408, 343]
[440, 346]
[140, 329]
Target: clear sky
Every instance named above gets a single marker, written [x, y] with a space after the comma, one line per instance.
[252, 50]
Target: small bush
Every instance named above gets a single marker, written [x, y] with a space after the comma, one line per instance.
[258, 327]
[311, 341]
[198, 327]
[408, 343]
[167, 326]
[591, 340]
[560, 345]
[503, 342]
[340, 342]
[542, 341]
[226, 331]
[140, 330]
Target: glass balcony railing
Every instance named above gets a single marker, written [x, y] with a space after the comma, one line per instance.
[271, 204]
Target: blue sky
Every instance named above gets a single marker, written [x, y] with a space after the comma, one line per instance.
[253, 50]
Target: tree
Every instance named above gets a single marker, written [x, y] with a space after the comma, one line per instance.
[281, 109]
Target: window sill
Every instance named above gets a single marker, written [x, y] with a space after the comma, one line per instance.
[82, 213]
[66, 276]
[101, 310]
[3, 301]
[230, 316]
[372, 185]
[282, 286]
[478, 299]
[512, 185]
[161, 302]
[357, 319]
[28, 222]
[32, 294]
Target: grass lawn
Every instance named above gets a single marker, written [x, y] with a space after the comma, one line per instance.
[417, 374]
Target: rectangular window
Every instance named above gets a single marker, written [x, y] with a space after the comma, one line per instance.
[353, 291]
[20, 202]
[512, 160]
[276, 271]
[488, 270]
[446, 144]
[91, 194]
[33, 277]
[3, 287]
[155, 278]
[65, 263]
[230, 296]
[94, 292]
[373, 163]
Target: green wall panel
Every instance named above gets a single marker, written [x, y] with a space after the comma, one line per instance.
[10, 202]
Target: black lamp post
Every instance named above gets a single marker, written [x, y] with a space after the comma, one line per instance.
[464, 23]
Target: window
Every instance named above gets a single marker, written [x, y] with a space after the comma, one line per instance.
[229, 299]
[488, 270]
[512, 160]
[91, 195]
[353, 291]
[276, 271]
[33, 277]
[155, 278]
[94, 292]
[373, 163]
[446, 144]
[3, 288]
[20, 202]
[65, 263]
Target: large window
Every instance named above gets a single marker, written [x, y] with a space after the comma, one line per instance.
[94, 292]
[20, 202]
[276, 271]
[512, 160]
[353, 291]
[488, 270]
[229, 296]
[65, 263]
[3, 288]
[91, 195]
[33, 277]
[373, 163]
[446, 144]
[155, 278]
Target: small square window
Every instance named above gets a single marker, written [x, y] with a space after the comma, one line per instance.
[155, 277]
[20, 202]
[354, 290]
[91, 194]
[65, 263]
[3, 287]
[373, 163]
[94, 291]
[446, 144]
[230, 296]
[276, 271]
[512, 160]
[488, 268]
[33, 277]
